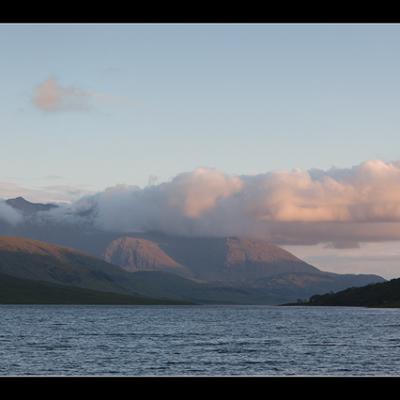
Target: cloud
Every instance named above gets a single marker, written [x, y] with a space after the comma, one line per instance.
[50, 96]
[343, 244]
[382, 257]
[338, 207]
[341, 207]
[197, 192]
[44, 194]
[8, 214]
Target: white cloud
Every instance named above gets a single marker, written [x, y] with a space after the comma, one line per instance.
[43, 194]
[340, 206]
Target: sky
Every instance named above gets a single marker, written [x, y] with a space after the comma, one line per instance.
[87, 107]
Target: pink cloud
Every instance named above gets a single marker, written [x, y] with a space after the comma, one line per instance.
[286, 207]
[50, 96]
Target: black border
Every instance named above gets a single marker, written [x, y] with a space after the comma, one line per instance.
[195, 13]
[189, 12]
[188, 387]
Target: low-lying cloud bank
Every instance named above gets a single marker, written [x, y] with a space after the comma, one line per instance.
[341, 206]
[60, 193]
[8, 215]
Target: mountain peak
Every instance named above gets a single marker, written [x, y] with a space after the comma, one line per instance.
[242, 249]
[138, 254]
[26, 207]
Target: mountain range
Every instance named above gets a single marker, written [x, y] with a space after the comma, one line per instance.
[40, 262]
[160, 267]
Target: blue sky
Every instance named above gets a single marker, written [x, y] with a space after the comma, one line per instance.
[243, 99]
[164, 99]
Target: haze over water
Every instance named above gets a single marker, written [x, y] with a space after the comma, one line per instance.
[198, 340]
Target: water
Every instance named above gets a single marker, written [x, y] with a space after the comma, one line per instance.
[198, 340]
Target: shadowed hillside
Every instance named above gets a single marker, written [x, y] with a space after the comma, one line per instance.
[386, 294]
[23, 291]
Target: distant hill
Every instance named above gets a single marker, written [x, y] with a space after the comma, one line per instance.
[386, 294]
[26, 207]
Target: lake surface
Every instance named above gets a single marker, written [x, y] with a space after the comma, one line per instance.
[198, 340]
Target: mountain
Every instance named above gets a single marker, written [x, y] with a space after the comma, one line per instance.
[24, 291]
[385, 294]
[228, 260]
[30, 259]
[226, 270]
[248, 264]
[233, 259]
[42, 263]
[135, 254]
[237, 262]
[26, 207]
[37, 261]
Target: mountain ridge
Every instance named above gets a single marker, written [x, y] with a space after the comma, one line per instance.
[26, 207]
[242, 261]
[62, 265]
[233, 270]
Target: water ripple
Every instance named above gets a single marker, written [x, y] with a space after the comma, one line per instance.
[198, 340]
